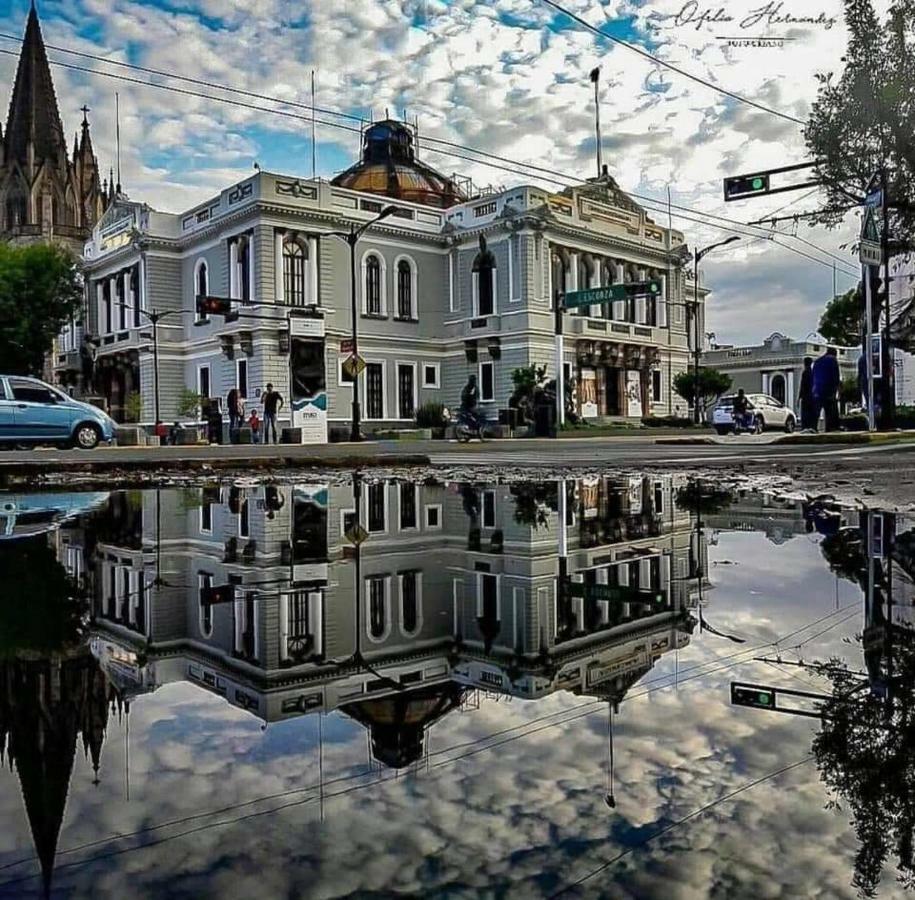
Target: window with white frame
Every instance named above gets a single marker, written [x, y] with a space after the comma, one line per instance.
[373, 302]
[411, 616]
[201, 286]
[484, 284]
[487, 382]
[405, 300]
[489, 509]
[432, 377]
[377, 512]
[205, 609]
[377, 599]
[409, 506]
[656, 386]
[244, 520]
[295, 271]
[203, 381]
[434, 516]
[241, 378]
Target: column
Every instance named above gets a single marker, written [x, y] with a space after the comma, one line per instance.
[313, 272]
[619, 306]
[251, 267]
[789, 390]
[100, 306]
[233, 268]
[130, 315]
[143, 299]
[280, 283]
[316, 621]
[765, 382]
[114, 314]
[573, 272]
[284, 626]
[594, 309]
[239, 623]
[662, 304]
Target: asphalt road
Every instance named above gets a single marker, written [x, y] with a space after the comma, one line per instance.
[615, 451]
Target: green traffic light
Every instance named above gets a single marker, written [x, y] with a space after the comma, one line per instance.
[764, 699]
[758, 184]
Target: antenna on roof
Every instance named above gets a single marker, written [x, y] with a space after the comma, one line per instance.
[313, 144]
[416, 135]
[117, 131]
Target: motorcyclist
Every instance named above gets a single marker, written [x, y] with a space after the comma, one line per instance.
[470, 398]
[741, 406]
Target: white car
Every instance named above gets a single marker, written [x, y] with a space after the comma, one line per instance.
[763, 412]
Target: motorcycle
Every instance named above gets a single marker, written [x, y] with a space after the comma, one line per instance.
[468, 425]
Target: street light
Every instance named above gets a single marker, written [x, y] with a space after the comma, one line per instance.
[352, 238]
[697, 348]
[154, 318]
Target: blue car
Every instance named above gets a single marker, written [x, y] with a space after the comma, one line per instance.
[32, 412]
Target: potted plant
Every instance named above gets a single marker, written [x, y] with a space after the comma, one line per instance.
[189, 407]
[432, 415]
[133, 407]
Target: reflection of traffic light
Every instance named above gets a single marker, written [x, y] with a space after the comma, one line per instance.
[745, 186]
[215, 306]
[224, 593]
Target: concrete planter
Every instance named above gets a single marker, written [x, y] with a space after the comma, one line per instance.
[130, 436]
[188, 436]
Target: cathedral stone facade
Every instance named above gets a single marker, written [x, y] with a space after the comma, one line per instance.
[45, 194]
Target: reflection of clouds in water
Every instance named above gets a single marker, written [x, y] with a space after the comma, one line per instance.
[521, 820]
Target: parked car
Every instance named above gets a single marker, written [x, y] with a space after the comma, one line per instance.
[26, 515]
[763, 412]
[32, 412]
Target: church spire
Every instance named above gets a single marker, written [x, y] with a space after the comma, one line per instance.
[34, 133]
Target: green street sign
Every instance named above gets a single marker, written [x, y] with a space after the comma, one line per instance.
[611, 292]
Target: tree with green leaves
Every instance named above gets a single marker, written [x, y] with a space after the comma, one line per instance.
[41, 290]
[712, 384]
[842, 319]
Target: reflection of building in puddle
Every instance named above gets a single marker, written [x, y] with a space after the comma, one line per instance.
[257, 594]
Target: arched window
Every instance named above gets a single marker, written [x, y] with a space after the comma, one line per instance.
[377, 602]
[373, 286]
[203, 280]
[409, 603]
[484, 272]
[295, 256]
[405, 290]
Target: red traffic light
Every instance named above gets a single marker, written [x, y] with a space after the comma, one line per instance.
[213, 306]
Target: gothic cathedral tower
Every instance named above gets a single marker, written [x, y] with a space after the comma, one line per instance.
[43, 194]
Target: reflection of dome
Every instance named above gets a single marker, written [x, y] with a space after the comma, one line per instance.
[389, 167]
[398, 723]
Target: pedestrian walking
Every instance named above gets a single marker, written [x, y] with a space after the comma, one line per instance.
[233, 408]
[805, 397]
[273, 402]
[826, 380]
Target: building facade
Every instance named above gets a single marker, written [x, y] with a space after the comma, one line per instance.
[451, 284]
[775, 366]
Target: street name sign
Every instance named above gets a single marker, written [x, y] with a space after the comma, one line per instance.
[611, 292]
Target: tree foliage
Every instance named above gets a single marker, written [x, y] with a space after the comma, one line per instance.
[40, 291]
[712, 384]
[864, 119]
[842, 319]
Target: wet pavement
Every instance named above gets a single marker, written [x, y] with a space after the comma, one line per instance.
[613, 687]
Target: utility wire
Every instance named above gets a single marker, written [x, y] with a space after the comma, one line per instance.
[644, 53]
[542, 173]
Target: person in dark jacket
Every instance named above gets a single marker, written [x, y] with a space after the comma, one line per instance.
[826, 380]
[805, 397]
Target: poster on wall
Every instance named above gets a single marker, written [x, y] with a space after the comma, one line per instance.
[634, 393]
[309, 390]
[588, 394]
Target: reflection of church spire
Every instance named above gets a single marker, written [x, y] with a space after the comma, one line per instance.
[46, 705]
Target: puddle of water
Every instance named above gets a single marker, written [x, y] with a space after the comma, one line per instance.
[582, 688]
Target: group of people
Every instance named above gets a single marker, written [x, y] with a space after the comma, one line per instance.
[819, 391]
[272, 402]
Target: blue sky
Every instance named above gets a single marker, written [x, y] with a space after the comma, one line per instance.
[505, 76]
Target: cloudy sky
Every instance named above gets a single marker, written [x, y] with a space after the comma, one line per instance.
[506, 76]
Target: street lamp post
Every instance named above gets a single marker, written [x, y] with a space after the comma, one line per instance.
[351, 237]
[154, 318]
[697, 344]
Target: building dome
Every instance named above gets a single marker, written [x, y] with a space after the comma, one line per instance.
[389, 167]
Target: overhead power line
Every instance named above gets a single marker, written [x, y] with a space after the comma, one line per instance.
[512, 166]
[660, 62]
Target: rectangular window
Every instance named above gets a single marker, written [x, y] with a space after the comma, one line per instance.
[343, 377]
[431, 375]
[241, 380]
[244, 524]
[374, 391]
[487, 381]
[434, 516]
[377, 502]
[206, 517]
[408, 505]
[656, 386]
[489, 509]
[203, 381]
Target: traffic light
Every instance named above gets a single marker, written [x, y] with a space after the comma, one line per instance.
[741, 186]
[215, 306]
[752, 695]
